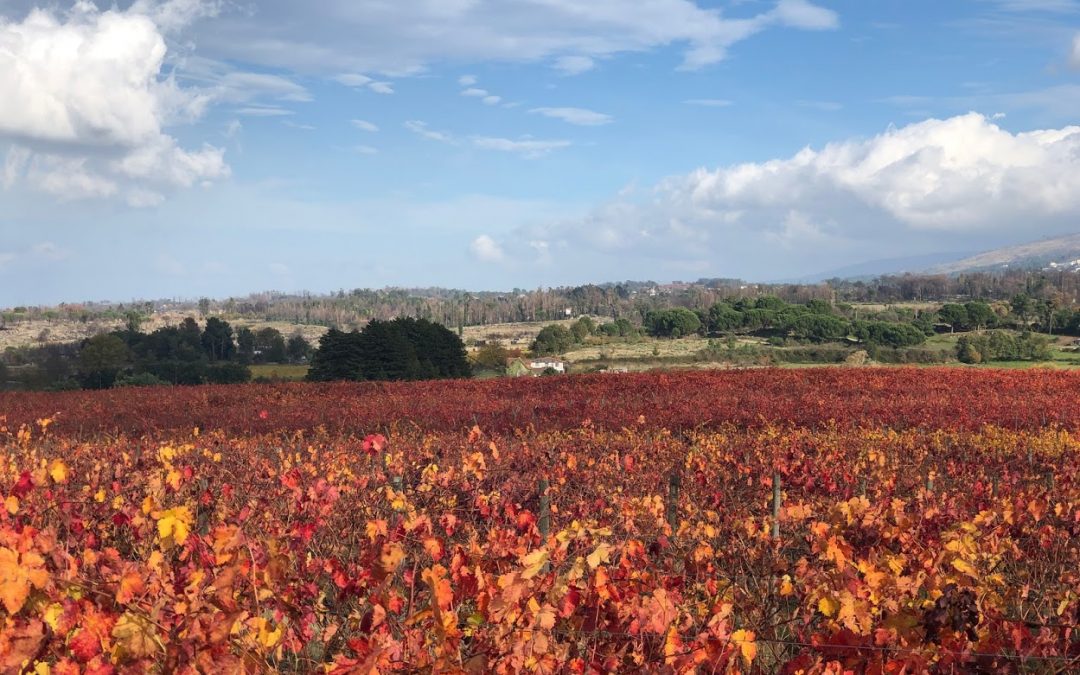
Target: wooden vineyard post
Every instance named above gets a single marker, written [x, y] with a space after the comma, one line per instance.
[776, 498]
[545, 509]
[862, 486]
[674, 484]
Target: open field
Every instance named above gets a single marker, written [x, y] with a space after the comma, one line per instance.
[867, 520]
[34, 333]
[276, 371]
[514, 335]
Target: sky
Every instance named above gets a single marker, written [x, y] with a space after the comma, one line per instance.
[188, 148]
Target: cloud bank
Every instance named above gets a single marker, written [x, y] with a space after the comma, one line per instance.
[957, 177]
[397, 38]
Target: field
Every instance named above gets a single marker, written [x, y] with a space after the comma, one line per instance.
[63, 331]
[277, 371]
[824, 520]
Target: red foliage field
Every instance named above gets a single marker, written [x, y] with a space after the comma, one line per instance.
[864, 521]
[894, 397]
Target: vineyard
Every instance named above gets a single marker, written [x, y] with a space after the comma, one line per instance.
[822, 521]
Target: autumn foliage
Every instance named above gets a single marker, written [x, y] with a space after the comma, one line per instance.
[928, 521]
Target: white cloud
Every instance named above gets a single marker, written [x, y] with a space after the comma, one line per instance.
[492, 100]
[375, 36]
[1074, 57]
[578, 116]
[485, 249]
[421, 129]
[574, 65]
[358, 81]
[365, 150]
[803, 14]
[173, 15]
[264, 111]
[467, 80]
[86, 103]
[710, 102]
[528, 148]
[241, 86]
[474, 92]
[364, 125]
[1052, 6]
[353, 80]
[943, 180]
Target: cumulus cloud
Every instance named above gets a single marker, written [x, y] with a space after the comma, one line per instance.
[486, 249]
[938, 178]
[85, 103]
[578, 116]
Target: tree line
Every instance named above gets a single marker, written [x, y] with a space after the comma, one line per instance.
[186, 354]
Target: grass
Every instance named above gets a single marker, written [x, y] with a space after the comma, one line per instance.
[279, 372]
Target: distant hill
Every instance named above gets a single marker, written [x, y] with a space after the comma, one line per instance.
[1062, 253]
[876, 268]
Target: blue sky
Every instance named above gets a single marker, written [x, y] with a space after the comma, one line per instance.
[180, 148]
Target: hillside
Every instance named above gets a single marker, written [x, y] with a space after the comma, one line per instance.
[1058, 253]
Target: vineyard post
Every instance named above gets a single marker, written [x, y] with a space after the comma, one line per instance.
[545, 509]
[930, 481]
[674, 483]
[776, 505]
[862, 486]
[1050, 482]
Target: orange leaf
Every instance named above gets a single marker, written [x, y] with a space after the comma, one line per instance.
[131, 586]
[392, 555]
[17, 574]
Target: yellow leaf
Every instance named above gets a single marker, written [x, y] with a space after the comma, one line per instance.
[534, 563]
[59, 471]
[600, 555]
[745, 639]
[12, 504]
[965, 567]
[174, 525]
[99, 496]
[52, 615]
[135, 636]
[173, 479]
[828, 606]
[268, 638]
